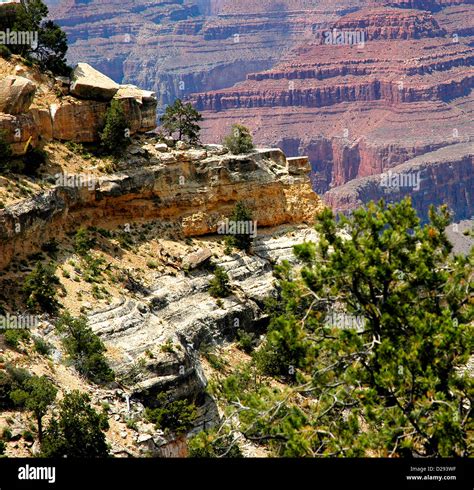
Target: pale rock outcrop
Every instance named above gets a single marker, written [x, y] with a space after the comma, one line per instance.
[175, 186]
[16, 94]
[88, 83]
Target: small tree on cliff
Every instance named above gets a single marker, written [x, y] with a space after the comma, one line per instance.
[182, 119]
[51, 46]
[115, 136]
[78, 432]
[239, 140]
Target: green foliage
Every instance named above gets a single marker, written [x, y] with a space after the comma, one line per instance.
[220, 284]
[176, 416]
[5, 53]
[40, 288]
[241, 214]
[7, 434]
[42, 347]
[50, 52]
[394, 384]
[14, 336]
[36, 394]
[211, 444]
[84, 348]
[115, 137]
[3, 447]
[182, 119]
[239, 140]
[78, 431]
[83, 241]
[246, 340]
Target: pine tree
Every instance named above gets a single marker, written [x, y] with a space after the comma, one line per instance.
[78, 431]
[115, 136]
[50, 51]
[182, 119]
[392, 379]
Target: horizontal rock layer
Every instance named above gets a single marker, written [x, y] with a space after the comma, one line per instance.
[195, 188]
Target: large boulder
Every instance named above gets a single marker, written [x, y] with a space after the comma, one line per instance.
[78, 120]
[139, 107]
[88, 83]
[16, 94]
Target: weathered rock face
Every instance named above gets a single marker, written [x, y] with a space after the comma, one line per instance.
[196, 188]
[176, 49]
[445, 176]
[31, 111]
[16, 94]
[179, 311]
[360, 109]
[88, 83]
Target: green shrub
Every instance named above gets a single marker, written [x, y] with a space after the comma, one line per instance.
[84, 348]
[13, 336]
[220, 284]
[5, 53]
[78, 431]
[115, 136]
[208, 444]
[7, 434]
[3, 447]
[176, 416]
[42, 347]
[239, 140]
[40, 288]
[246, 340]
[83, 242]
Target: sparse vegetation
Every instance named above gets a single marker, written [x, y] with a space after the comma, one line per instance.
[220, 284]
[176, 416]
[182, 120]
[239, 140]
[40, 288]
[84, 348]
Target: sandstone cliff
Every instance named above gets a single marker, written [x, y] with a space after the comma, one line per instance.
[36, 108]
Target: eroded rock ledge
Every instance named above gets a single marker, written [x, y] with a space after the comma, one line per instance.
[195, 188]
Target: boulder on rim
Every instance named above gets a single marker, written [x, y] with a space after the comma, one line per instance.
[16, 94]
[88, 83]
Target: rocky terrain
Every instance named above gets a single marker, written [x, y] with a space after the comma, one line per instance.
[360, 109]
[154, 212]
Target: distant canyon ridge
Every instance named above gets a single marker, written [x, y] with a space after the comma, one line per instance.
[386, 117]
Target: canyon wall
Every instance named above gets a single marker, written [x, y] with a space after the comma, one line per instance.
[402, 89]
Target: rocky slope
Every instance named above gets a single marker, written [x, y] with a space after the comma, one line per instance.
[362, 108]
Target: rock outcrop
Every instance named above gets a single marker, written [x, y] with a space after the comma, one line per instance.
[16, 94]
[195, 188]
[35, 108]
[88, 83]
[180, 312]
